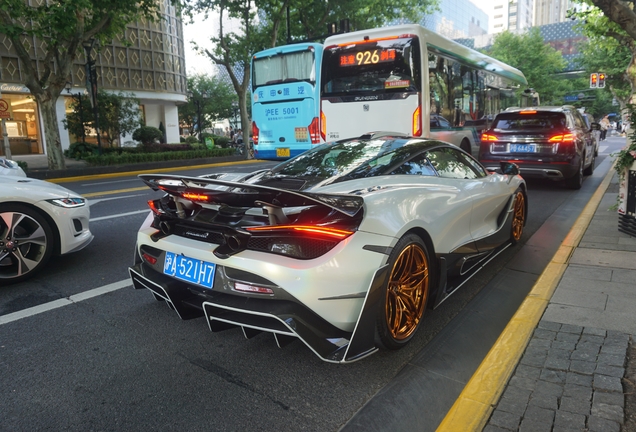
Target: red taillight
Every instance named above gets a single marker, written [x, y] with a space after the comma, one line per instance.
[323, 126]
[255, 132]
[195, 196]
[417, 121]
[314, 131]
[488, 137]
[149, 258]
[154, 207]
[309, 229]
[562, 138]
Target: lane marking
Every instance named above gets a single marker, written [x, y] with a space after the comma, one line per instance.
[601, 149]
[76, 298]
[92, 202]
[151, 171]
[480, 396]
[101, 218]
[112, 192]
[111, 182]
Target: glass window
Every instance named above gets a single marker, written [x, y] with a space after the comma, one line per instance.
[451, 163]
[538, 121]
[295, 66]
[419, 165]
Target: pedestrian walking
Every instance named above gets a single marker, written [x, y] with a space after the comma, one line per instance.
[605, 125]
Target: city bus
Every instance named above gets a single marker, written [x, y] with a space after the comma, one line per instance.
[410, 80]
[286, 100]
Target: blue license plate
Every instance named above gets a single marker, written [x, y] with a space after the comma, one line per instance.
[189, 269]
[523, 148]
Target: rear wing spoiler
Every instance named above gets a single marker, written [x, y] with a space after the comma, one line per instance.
[249, 195]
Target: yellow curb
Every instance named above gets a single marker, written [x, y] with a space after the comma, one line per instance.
[473, 407]
[158, 170]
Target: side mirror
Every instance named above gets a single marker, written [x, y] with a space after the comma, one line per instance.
[595, 126]
[509, 168]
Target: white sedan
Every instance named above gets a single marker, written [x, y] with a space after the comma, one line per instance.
[342, 247]
[38, 219]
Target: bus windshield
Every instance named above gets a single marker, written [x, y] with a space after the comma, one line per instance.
[280, 68]
[382, 65]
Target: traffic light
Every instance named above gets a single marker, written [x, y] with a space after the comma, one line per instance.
[601, 80]
[594, 80]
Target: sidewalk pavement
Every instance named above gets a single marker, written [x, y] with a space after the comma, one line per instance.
[569, 376]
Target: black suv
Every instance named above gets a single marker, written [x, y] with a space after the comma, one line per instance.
[546, 142]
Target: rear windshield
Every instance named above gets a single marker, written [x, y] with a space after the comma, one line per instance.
[289, 67]
[536, 121]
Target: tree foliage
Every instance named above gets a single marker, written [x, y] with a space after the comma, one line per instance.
[214, 98]
[119, 115]
[60, 28]
[538, 61]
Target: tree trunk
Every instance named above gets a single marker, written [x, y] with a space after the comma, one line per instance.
[51, 130]
[246, 125]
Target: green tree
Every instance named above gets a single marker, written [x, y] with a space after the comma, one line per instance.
[538, 61]
[214, 98]
[60, 28]
[119, 115]
[261, 22]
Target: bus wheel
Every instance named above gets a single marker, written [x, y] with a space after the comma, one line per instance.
[465, 145]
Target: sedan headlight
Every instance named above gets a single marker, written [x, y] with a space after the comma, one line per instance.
[68, 202]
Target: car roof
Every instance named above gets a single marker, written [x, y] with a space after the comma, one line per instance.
[540, 108]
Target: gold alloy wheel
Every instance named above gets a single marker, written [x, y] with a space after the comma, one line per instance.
[407, 292]
[519, 216]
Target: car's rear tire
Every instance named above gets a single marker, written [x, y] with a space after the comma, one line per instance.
[26, 242]
[576, 180]
[465, 145]
[518, 217]
[407, 293]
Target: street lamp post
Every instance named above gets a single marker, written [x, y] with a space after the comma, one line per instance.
[91, 81]
[78, 98]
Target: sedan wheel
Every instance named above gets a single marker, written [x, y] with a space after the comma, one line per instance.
[518, 217]
[576, 181]
[407, 293]
[26, 242]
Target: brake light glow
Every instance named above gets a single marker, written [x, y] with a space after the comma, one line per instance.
[323, 125]
[314, 131]
[528, 112]
[417, 121]
[153, 206]
[487, 137]
[562, 138]
[324, 231]
[149, 258]
[255, 132]
[195, 196]
[252, 288]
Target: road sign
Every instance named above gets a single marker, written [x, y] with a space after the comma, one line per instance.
[5, 111]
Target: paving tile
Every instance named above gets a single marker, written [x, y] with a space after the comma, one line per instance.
[548, 388]
[612, 398]
[536, 343]
[609, 412]
[505, 420]
[535, 351]
[544, 334]
[579, 379]
[597, 424]
[528, 371]
[607, 383]
[553, 376]
[539, 415]
[582, 367]
[533, 426]
[614, 371]
[536, 360]
[567, 337]
[564, 420]
[577, 391]
[591, 342]
[557, 363]
[564, 345]
[542, 400]
[513, 406]
[524, 383]
[623, 275]
[584, 354]
[492, 428]
[590, 273]
[569, 328]
[559, 353]
[549, 325]
[594, 331]
[614, 350]
[574, 405]
[517, 393]
[611, 360]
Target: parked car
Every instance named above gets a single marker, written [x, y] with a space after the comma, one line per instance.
[596, 132]
[10, 168]
[548, 142]
[343, 247]
[38, 219]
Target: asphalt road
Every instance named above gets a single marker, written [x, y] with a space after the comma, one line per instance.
[123, 361]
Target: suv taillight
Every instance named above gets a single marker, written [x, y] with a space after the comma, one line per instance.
[488, 137]
[562, 138]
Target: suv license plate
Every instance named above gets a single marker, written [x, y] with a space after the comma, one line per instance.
[282, 152]
[523, 148]
[189, 269]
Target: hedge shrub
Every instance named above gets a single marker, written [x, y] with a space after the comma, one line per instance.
[132, 158]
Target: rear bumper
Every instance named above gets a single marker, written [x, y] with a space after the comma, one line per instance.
[287, 320]
[550, 168]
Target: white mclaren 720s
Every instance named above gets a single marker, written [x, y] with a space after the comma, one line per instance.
[343, 247]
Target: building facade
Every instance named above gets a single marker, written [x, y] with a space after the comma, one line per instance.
[551, 11]
[147, 61]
